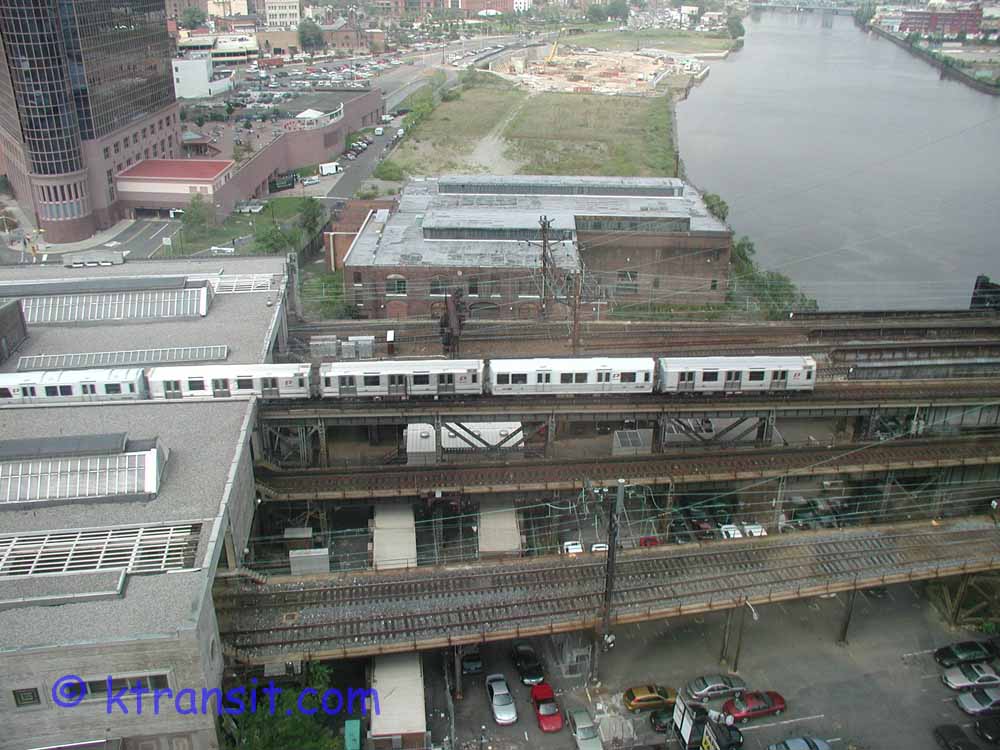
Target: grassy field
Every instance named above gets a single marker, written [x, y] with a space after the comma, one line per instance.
[191, 241]
[685, 42]
[441, 142]
[581, 134]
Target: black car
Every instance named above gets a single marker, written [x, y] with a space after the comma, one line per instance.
[951, 737]
[472, 663]
[728, 736]
[989, 729]
[662, 720]
[529, 668]
[967, 652]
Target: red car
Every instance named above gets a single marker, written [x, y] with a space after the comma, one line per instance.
[546, 710]
[751, 705]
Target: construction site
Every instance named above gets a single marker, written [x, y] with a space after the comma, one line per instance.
[570, 68]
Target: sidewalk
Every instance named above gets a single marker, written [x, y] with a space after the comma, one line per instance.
[26, 226]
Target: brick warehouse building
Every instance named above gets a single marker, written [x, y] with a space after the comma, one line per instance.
[635, 242]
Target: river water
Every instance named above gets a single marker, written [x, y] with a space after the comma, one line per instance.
[854, 168]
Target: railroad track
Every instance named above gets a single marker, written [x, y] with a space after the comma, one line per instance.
[371, 613]
[728, 465]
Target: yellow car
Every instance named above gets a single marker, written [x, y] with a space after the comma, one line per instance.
[647, 697]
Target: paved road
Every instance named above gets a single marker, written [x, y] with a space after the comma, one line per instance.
[144, 237]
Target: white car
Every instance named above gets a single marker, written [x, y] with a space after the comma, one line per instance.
[969, 676]
[572, 548]
[501, 700]
[754, 529]
[311, 181]
[730, 531]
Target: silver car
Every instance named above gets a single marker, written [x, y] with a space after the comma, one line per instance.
[969, 676]
[584, 730]
[501, 700]
[980, 701]
[713, 686]
[801, 743]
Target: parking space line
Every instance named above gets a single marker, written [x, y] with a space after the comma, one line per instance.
[918, 653]
[785, 722]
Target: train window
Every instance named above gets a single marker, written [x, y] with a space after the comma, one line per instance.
[474, 378]
[372, 380]
[604, 377]
[5, 393]
[628, 377]
[88, 388]
[51, 390]
[519, 378]
[300, 381]
[268, 383]
[246, 384]
[566, 377]
[710, 376]
[131, 387]
[28, 390]
[171, 385]
[65, 390]
[503, 378]
[543, 377]
[220, 384]
[196, 384]
[448, 378]
[733, 376]
[580, 377]
[685, 377]
[346, 381]
[779, 375]
[756, 376]
[112, 388]
[422, 379]
[809, 374]
[327, 382]
[645, 376]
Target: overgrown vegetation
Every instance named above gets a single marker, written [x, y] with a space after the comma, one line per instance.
[323, 295]
[389, 170]
[684, 42]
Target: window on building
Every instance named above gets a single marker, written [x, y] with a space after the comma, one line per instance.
[144, 132]
[395, 285]
[112, 388]
[528, 287]
[117, 147]
[196, 384]
[145, 153]
[111, 177]
[439, 286]
[107, 152]
[357, 278]
[25, 697]
[155, 150]
[715, 284]
[99, 688]
[135, 139]
[628, 282]
[128, 162]
[656, 282]
[503, 378]
[473, 286]
[489, 288]
[372, 381]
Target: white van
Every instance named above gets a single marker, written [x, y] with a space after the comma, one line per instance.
[379, 131]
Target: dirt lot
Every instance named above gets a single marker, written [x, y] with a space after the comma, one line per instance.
[681, 42]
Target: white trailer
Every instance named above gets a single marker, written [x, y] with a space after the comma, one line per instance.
[330, 167]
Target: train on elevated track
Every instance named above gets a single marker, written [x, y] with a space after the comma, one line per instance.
[417, 379]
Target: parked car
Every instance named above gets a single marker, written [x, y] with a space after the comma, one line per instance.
[501, 700]
[713, 686]
[952, 737]
[546, 709]
[649, 541]
[730, 737]
[966, 652]
[599, 547]
[572, 548]
[648, 697]
[801, 743]
[310, 181]
[526, 661]
[969, 676]
[584, 730]
[730, 531]
[662, 720]
[988, 729]
[980, 702]
[472, 663]
[754, 705]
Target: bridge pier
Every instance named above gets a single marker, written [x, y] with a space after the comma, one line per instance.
[956, 604]
[724, 653]
[324, 448]
[458, 672]
[842, 640]
[739, 637]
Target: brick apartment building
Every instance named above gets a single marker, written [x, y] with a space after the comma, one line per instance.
[950, 18]
[635, 241]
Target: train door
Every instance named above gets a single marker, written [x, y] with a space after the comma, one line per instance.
[734, 380]
[347, 385]
[269, 388]
[397, 385]
[88, 391]
[604, 380]
[220, 388]
[172, 389]
[446, 382]
[685, 380]
[779, 380]
[542, 382]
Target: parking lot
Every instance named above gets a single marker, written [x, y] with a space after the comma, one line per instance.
[880, 690]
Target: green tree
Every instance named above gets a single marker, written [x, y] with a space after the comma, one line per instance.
[288, 727]
[717, 207]
[196, 214]
[389, 171]
[735, 27]
[273, 239]
[242, 151]
[310, 35]
[192, 17]
[311, 217]
[229, 109]
[618, 9]
[597, 13]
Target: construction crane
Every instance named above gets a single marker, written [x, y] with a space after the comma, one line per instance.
[555, 48]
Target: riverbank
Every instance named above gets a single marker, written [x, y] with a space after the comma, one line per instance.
[949, 70]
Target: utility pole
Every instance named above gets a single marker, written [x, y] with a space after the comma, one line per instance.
[546, 223]
[577, 293]
[605, 641]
